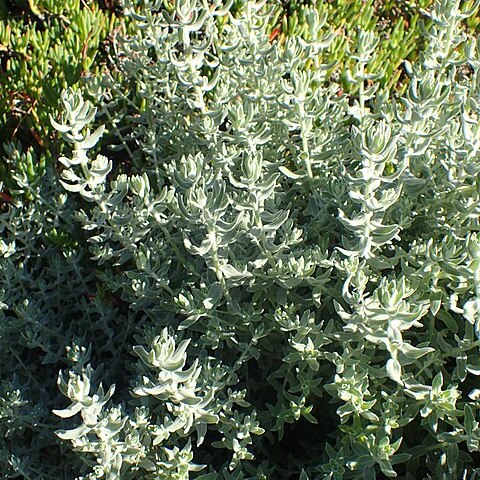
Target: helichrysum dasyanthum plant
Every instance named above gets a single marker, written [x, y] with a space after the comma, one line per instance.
[274, 282]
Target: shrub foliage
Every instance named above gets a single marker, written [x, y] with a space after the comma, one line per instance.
[267, 279]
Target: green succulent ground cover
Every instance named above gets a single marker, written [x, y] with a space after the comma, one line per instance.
[267, 265]
[46, 46]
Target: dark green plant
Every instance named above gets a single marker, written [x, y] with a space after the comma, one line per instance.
[46, 46]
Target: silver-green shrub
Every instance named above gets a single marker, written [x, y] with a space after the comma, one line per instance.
[271, 280]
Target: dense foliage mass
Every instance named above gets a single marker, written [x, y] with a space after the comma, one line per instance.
[266, 279]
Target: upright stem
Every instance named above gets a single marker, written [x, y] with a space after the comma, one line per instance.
[361, 93]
